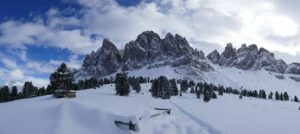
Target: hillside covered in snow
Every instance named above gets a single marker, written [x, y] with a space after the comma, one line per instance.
[94, 111]
[247, 67]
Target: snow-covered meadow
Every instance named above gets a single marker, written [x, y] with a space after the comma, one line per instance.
[94, 111]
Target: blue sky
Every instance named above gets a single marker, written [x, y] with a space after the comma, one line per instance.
[27, 11]
[37, 35]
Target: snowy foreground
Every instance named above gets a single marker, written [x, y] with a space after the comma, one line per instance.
[94, 111]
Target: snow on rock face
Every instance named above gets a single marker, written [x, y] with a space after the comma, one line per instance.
[251, 58]
[214, 56]
[293, 68]
[105, 61]
[228, 57]
[147, 49]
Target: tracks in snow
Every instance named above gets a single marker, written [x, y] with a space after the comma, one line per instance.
[200, 122]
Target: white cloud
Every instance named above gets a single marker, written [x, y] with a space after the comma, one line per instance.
[16, 74]
[9, 63]
[40, 67]
[214, 21]
[272, 24]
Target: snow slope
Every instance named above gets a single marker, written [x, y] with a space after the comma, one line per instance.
[94, 111]
[228, 77]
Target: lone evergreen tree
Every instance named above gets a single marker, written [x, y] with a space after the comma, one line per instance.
[241, 97]
[62, 78]
[122, 84]
[296, 98]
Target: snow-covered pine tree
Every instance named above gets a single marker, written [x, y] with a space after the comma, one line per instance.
[122, 84]
[62, 78]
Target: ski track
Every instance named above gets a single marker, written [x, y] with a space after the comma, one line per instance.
[210, 128]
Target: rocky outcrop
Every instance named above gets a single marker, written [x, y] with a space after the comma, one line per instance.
[251, 58]
[106, 60]
[293, 68]
[214, 56]
[228, 57]
[148, 49]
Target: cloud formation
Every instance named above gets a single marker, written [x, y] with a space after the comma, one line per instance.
[207, 24]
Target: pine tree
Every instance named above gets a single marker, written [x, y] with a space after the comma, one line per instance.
[241, 97]
[191, 83]
[198, 94]
[28, 90]
[192, 90]
[164, 87]
[206, 95]
[14, 93]
[4, 94]
[296, 99]
[173, 87]
[286, 96]
[135, 84]
[180, 93]
[281, 97]
[270, 95]
[154, 88]
[62, 78]
[220, 90]
[184, 85]
[122, 86]
[277, 96]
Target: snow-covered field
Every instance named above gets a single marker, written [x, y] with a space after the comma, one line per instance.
[94, 111]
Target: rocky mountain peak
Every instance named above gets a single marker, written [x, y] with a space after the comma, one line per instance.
[108, 45]
[105, 61]
[214, 56]
[253, 47]
[229, 51]
[148, 49]
[251, 58]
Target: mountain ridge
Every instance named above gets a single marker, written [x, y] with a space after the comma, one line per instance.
[151, 51]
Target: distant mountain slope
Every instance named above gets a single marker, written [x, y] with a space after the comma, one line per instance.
[150, 55]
